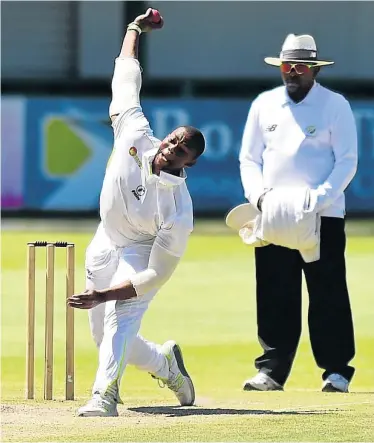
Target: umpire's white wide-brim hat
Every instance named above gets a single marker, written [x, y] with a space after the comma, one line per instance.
[299, 49]
[240, 215]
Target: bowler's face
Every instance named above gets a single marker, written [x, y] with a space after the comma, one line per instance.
[173, 154]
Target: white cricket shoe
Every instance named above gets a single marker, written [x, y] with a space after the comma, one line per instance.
[178, 381]
[335, 383]
[261, 382]
[99, 406]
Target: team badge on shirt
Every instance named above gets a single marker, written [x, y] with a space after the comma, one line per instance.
[311, 131]
[134, 153]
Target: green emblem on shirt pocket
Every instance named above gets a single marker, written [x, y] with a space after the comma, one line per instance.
[311, 131]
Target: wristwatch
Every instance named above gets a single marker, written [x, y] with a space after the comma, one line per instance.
[134, 27]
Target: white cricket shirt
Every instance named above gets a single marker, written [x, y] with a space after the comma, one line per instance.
[135, 204]
[312, 143]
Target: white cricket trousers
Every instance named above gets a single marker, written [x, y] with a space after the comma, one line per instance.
[115, 324]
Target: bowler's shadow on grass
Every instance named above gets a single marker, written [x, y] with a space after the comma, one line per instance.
[177, 411]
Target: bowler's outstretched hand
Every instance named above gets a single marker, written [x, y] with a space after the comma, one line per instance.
[150, 20]
[86, 300]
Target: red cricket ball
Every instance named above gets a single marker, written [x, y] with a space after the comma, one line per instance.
[156, 17]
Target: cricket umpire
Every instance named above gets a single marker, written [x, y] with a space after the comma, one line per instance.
[302, 134]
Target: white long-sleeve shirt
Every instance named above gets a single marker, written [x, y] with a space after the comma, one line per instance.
[312, 143]
[135, 204]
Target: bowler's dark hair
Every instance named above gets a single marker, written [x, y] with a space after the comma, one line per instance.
[194, 140]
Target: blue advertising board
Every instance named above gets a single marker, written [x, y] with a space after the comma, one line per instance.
[68, 142]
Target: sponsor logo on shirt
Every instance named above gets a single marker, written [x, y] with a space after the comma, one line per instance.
[138, 192]
[134, 154]
[311, 131]
[271, 128]
[89, 274]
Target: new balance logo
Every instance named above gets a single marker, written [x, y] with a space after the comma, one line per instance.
[138, 192]
[271, 128]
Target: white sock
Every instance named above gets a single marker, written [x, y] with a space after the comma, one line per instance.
[146, 356]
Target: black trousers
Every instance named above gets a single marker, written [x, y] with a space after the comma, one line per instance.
[279, 279]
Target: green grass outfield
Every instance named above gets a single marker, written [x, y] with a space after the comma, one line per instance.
[209, 308]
